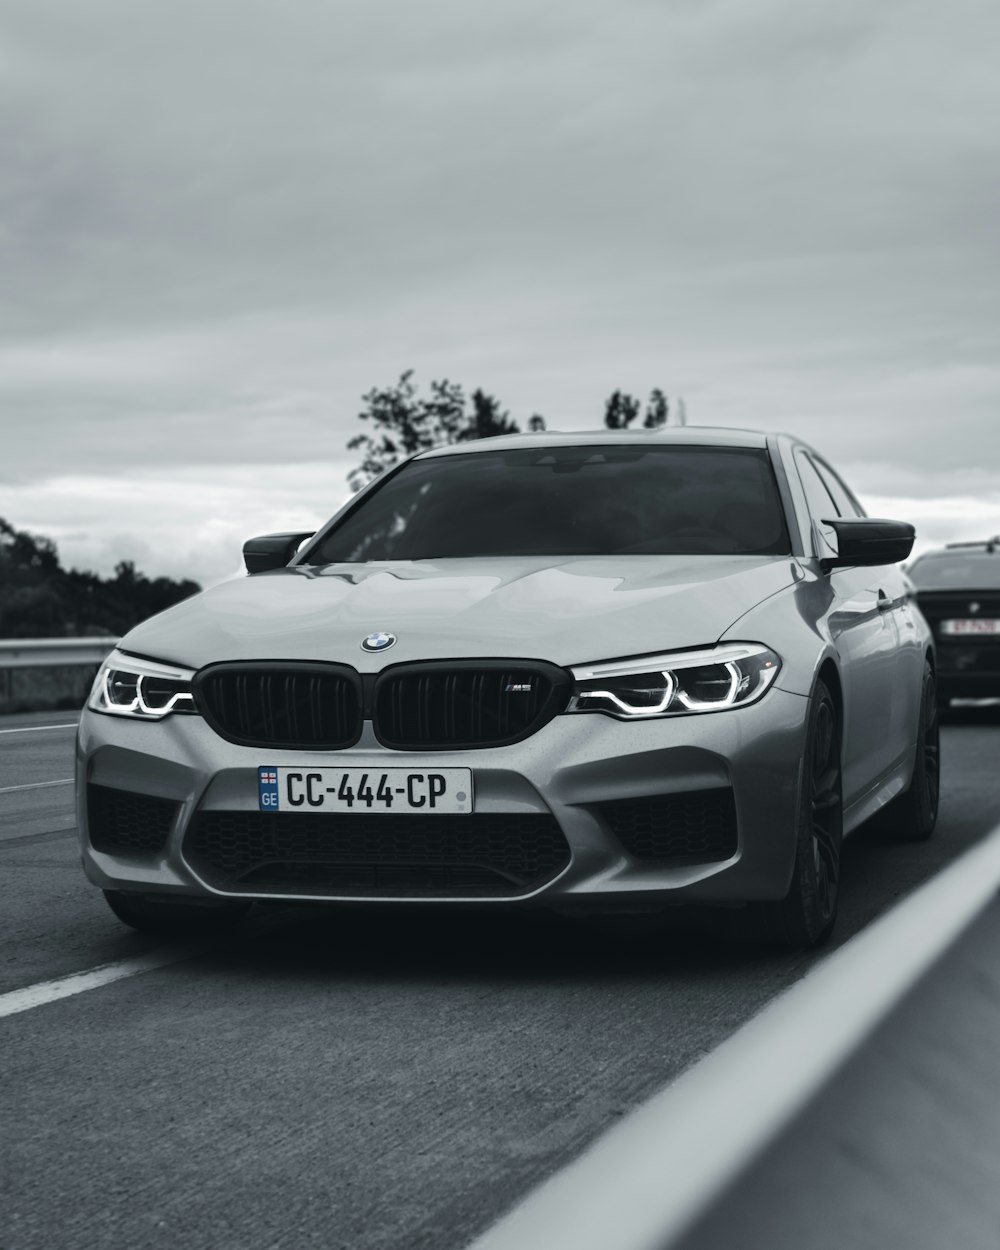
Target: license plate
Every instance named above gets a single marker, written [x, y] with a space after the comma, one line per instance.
[391, 790]
[971, 626]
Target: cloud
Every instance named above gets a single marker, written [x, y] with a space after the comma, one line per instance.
[942, 520]
[221, 224]
[190, 523]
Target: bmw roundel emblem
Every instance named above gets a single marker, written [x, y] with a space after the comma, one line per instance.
[380, 641]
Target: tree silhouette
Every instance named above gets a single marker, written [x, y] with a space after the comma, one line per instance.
[41, 599]
[401, 422]
[620, 410]
[487, 419]
[657, 410]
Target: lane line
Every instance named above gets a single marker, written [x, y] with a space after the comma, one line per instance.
[37, 729]
[30, 996]
[22, 839]
[37, 785]
[642, 1184]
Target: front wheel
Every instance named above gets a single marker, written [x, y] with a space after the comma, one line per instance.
[806, 915]
[167, 918]
[912, 816]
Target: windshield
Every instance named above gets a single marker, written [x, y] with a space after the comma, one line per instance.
[968, 571]
[566, 501]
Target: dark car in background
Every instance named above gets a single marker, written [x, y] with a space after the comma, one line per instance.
[958, 592]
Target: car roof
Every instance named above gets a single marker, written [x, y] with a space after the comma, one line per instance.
[985, 548]
[687, 436]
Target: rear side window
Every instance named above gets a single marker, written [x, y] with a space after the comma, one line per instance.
[821, 503]
[847, 505]
[567, 501]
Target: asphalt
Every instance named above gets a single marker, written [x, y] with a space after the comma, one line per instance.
[394, 1080]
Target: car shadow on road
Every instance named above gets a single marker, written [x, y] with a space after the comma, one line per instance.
[527, 947]
[982, 713]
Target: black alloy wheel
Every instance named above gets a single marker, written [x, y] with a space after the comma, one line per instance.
[912, 816]
[806, 915]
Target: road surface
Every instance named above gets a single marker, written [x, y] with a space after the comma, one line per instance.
[393, 1081]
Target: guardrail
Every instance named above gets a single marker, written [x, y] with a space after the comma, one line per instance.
[31, 676]
[53, 652]
[644, 1183]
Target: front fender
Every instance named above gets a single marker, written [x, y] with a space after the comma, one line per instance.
[794, 623]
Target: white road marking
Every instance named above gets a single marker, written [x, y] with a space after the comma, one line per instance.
[31, 996]
[37, 729]
[642, 1184]
[37, 785]
[10, 840]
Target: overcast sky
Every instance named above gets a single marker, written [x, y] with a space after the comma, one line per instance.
[222, 221]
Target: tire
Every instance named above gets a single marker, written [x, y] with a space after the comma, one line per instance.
[169, 919]
[912, 816]
[806, 915]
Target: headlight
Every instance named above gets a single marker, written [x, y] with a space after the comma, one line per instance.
[710, 679]
[145, 689]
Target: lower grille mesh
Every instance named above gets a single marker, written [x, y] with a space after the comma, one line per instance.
[376, 855]
[120, 820]
[696, 827]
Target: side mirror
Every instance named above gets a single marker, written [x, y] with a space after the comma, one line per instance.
[865, 540]
[271, 551]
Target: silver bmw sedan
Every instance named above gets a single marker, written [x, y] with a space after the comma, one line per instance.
[622, 669]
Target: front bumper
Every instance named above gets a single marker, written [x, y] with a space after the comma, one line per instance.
[571, 764]
[968, 671]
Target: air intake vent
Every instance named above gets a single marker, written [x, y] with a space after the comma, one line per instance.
[120, 820]
[288, 705]
[696, 827]
[473, 703]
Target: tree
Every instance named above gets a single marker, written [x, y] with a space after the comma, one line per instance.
[392, 410]
[24, 552]
[125, 574]
[487, 419]
[620, 410]
[401, 422]
[657, 410]
[41, 599]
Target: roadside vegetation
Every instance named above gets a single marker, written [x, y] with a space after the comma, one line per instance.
[41, 599]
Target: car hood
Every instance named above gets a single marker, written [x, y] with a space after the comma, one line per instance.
[567, 611]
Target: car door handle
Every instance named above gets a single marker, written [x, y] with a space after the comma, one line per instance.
[883, 602]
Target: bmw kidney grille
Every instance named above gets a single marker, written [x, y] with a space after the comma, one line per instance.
[412, 706]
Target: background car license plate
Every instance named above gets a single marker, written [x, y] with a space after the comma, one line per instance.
[971, 626]
[364, 790]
